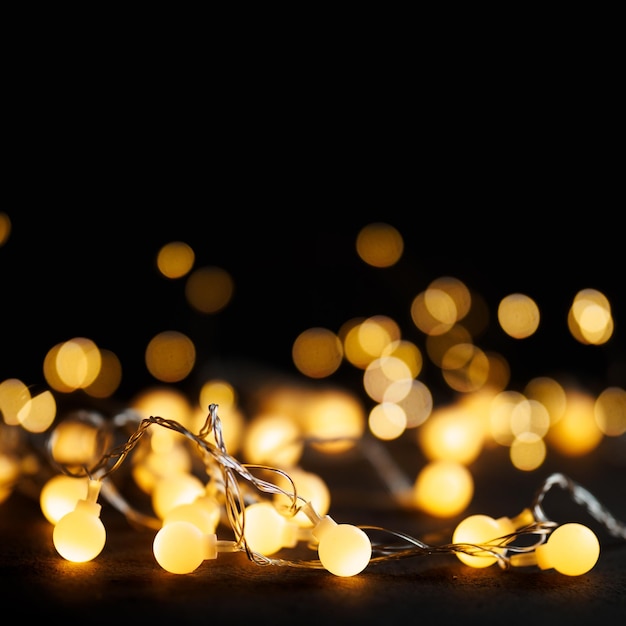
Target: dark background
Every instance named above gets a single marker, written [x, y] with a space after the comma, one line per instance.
[88, 269]
[505, 175]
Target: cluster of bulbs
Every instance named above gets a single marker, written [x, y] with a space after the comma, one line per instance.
[186, 533]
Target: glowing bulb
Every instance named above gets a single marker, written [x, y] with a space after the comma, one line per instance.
[180, 547]
[344, 550]
[266, 530]
[203, 512]
[171, 491]
[571, 549]
[479, 530]
[59, 496]
[80, 535]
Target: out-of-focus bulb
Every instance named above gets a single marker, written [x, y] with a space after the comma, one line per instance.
[60, 494]
[267, 531]
[80, 535]
[344, 550]
[479, 530]
[203, 512]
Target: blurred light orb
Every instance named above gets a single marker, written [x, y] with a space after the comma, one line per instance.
[310, 487]
[417, 404]
[170, 356]
[518, 315]
[387, 421]
[528, 452]
[175, 259]
[577, 432]
[274, 440]
[317, 352]
[334, 420]
[14, 394]
[174, 490]
[5, 228]
[590, 319]
[60, 494]
[453, 434]
[209, 289]
[108, 378]
[379, 244]
[443, 488]
[610, 411]
[38, 413]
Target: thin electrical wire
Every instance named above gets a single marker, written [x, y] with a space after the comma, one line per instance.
[226, 472]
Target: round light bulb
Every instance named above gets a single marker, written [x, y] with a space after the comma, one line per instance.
[180, 547]
[480, 530]
[572, 549]
[60, 494]
[266, 531]
[200, 513]
[344, 550]
[80, 535]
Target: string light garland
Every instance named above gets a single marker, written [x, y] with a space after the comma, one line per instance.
[263, 517]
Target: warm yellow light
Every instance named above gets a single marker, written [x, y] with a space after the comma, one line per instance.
[572, 549]
[317, 352]
[452, 433]
[273, 440]
[266, 531]
[38, 413]
[334, 420]
[60, 494]
[344, 550]
[14, 394]
[310, 487]
[518, 315]
[203, 512]
[170, 356]
[379, 244]
[209, 289]
[171, 491]
[80, 535]
[180, 547]
[479, 530]
[577, 432]
[443, 488]
[175, 259]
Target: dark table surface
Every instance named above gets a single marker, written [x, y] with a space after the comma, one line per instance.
[124, 583]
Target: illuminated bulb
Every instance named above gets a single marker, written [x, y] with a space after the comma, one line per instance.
[60, 494]
[343, 549]
[481, 530]
[80, 535]
[203, 512]
[571, 549]
[310, 487]
[266, 531]
[180, 547]
[171, 491]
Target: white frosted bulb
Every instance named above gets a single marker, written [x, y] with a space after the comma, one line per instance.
[180, 547]
[571, 549]
[80, 535]
[344, 550]
[480, 530]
